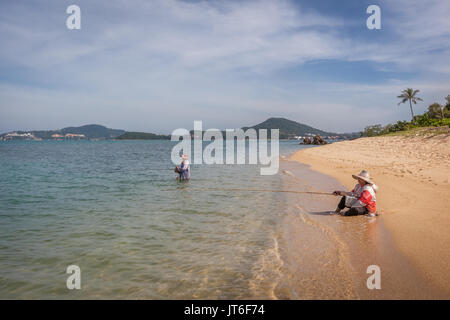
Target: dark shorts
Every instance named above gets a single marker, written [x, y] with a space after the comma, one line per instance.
[351, 211]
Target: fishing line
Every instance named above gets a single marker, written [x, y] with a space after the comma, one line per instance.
[296, 178]
[258, 190]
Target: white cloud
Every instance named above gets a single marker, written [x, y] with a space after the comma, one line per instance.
[156, 59]
[417, 37]
[226, 33]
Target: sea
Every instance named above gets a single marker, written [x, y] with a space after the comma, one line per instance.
[116, 210]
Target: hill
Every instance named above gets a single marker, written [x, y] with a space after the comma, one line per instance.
[94, 131]
[91, 131]
[289, 128]
[142, 136]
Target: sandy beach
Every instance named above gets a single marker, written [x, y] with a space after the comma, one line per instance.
[413, 174]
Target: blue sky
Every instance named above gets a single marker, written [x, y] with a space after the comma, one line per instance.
[159, 65]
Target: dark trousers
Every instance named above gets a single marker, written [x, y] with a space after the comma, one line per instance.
[351, 211]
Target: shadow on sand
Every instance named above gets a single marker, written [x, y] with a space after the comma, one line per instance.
[321, 213]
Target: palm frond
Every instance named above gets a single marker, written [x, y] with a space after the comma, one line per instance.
[403, 101]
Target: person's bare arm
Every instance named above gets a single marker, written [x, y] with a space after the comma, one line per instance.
[342, 193]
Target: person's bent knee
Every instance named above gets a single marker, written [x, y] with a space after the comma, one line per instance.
[341, 204]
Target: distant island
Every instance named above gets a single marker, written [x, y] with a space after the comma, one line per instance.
[293, 130]
[91, 132]
[288, 130]
[142, 136]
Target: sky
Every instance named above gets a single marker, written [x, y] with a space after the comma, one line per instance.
[158, 65]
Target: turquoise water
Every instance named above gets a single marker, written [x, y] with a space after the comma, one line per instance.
[133, 229]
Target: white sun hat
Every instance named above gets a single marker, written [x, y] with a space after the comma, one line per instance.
[363, 175]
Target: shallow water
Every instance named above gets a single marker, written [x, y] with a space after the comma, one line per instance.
[138, 233]
[134, 230]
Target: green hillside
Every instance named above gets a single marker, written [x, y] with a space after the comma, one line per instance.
[94, 131]
[288, 128]
[142, 136]
[91, 131]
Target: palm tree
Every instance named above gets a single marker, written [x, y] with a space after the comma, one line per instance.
[409, 94]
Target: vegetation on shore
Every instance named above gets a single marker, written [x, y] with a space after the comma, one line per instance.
[437, 115]
[421, 132]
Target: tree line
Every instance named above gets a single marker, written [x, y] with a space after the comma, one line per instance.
[437, 115]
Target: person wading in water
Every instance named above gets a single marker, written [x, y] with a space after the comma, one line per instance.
[184, 170]
[361, 200]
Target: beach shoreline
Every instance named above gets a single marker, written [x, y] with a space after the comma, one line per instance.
[326, 256]
[413, 176]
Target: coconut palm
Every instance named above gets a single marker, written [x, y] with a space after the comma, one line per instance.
[409, 94]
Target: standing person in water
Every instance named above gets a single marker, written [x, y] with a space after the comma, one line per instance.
[361, 200]
[184, 170]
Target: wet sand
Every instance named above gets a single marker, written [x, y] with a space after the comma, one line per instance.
[412, 236]
[326, 257]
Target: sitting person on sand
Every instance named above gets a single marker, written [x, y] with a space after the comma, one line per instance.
[361, 200]
[184, 170]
